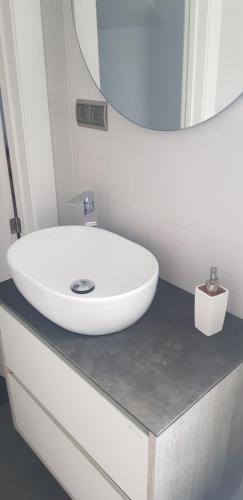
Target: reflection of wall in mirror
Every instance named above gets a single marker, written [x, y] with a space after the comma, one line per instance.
[162, 64]
[213, 58]
[230, 69]
[124, 69]
[141, 57]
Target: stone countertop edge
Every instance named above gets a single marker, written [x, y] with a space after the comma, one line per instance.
[155, 370]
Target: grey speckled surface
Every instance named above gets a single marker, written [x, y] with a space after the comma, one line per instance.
[154, 370]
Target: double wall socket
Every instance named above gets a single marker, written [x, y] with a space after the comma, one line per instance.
[92, 114]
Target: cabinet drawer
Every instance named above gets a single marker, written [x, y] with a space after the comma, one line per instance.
[118, 446]
[76, 474]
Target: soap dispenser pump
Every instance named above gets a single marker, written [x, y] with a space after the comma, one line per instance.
[211, 300]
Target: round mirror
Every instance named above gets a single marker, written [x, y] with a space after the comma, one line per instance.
[163, 64]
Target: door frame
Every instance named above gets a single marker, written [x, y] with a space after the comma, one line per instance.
[25, 100]
[7, 209]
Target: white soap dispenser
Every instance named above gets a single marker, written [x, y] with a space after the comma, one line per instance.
[210, 304]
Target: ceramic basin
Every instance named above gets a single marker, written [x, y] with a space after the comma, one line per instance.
[44, 264]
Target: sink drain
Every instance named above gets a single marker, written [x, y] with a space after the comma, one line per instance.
[82, 286]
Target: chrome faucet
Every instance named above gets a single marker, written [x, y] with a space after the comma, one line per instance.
[86, 201]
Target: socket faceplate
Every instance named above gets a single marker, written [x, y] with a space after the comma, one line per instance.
[92, 114]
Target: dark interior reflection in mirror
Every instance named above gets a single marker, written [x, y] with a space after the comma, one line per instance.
[163, 64]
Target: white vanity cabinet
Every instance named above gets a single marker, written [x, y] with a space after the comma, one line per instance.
[97, 452]
[79, 477]
[63, 400]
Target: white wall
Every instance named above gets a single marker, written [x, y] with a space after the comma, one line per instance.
[178, 193]
[86, 27]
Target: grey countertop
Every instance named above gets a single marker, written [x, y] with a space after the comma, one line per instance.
[156, 369]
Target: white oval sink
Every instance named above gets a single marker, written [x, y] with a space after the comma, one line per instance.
[45, 263]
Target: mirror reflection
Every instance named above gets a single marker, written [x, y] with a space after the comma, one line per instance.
[163, 64]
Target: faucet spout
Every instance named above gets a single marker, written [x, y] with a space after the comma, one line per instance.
[85, 200]
[89, 204]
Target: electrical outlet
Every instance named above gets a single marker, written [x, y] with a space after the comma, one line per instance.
[92, 114]
[97, 115]
[83, 113]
